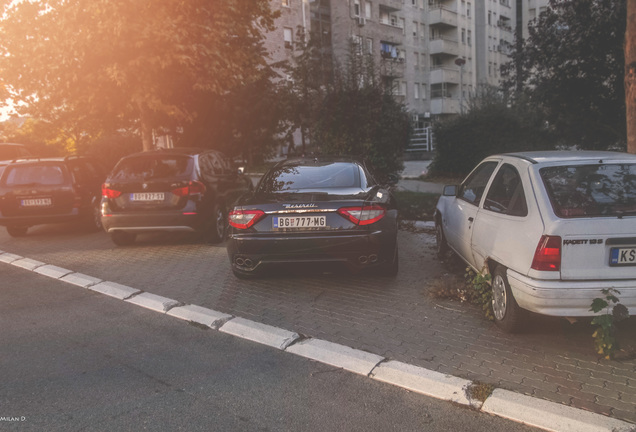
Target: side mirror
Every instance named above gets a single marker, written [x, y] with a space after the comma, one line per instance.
[450, 190]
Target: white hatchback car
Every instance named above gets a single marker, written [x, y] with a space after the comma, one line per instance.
[552, 228]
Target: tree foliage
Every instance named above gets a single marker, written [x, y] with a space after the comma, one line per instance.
[113, 63]
[358, 117]
[490, 126]
[571, 68]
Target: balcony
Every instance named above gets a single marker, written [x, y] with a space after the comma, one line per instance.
[393, 68]
[442, 75]
[444, 105]
[442, 16]
[444, 46]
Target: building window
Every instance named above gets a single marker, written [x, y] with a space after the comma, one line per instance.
[489, 18]
[286, 3]
[370, 46]
[415, 29]
[468, 6]
[288, 36]
[464, 36]
[367, 9]
[356, 8]
[416, 90]
[423, 92]
[417, 60]
[469, 38]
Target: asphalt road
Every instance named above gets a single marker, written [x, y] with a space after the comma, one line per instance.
[75, 360]
[397, 318]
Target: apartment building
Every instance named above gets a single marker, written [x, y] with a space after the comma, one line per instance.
[431, 54]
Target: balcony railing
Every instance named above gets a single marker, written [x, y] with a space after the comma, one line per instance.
[444, 46]
[441, 75]
[442, 15]
[444, 105]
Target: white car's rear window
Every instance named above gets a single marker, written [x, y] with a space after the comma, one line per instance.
[591, 190]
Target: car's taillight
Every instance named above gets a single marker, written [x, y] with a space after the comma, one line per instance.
[547, 257]
[193, 188]
[363, 215]
[110, 193]
[243, 219]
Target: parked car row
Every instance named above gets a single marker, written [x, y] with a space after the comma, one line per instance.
[552, 229]
[304, 210]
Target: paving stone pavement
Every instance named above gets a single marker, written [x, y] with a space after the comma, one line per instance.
[395, 318]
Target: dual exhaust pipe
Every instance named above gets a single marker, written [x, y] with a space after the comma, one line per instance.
[244, 262]
[371, 259]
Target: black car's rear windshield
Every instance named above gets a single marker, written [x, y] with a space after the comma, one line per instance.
[318, 176]
[48, 174]
[591, 190]
[152, 167]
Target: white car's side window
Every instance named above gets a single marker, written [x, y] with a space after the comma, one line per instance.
[505, 194]
[474, 186]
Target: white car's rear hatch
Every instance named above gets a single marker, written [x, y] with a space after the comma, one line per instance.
[595, 204]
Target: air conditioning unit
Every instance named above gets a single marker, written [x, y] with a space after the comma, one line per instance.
[362, 21]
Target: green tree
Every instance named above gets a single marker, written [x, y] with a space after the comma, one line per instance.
[490, 125]
[571, 68]
[359, 117]
[107, 64]
[304, 86]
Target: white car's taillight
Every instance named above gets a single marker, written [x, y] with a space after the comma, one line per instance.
[243, 219]
[547, 256]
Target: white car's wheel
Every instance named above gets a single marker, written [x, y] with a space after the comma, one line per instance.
[508, 315]
[440, 242]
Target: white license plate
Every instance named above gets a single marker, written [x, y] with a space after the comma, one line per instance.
[147, 196]
[300, 221]
[622, 256]
[36, 202]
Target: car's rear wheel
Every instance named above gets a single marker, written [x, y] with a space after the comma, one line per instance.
[442, 248]
[122, 238]
[17, 231]
[216, 227]
[508, 315]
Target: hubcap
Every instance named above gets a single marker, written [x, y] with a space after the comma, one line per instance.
[499, 300]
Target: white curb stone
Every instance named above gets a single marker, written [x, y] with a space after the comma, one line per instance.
[52, 271]
[261, 333]
[350, 359]
[27, 263]
[549, 415]
[80, 279]
[200, 315]
[114, 290]
[153, 301]
[9, 257]
[424, 381]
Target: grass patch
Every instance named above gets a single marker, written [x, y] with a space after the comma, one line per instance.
[416, 205]
[451, 287]
[480, 391]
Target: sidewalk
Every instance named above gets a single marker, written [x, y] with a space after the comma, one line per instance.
[409, 178]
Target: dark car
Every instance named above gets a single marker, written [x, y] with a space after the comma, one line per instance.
[315, 211]
[37, 191]
[178, 189]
